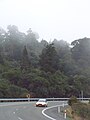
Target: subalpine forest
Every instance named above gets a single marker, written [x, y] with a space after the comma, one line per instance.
[41, 68]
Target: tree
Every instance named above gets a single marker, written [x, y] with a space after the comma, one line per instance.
[81, 83]
[67, 64]
[2, 36]
[58, 85]
[12, 43]
[16, 92]
[30, 37]
[72, 100]
[1, 59]
[49, 61]
[81, 52]
[3, 87]
[25, 62]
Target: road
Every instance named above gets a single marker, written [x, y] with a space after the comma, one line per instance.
[28, 111]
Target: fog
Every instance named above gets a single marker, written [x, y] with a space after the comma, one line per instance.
[60, 19]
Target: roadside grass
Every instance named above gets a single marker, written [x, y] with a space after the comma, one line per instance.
[69, 112]
[79, 111]
[71, 116]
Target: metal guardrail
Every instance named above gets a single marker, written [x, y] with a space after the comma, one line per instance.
[36, 99]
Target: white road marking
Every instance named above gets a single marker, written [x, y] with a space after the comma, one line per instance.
[20, 118]
[43, 112]
[48, 116]
[13, 112]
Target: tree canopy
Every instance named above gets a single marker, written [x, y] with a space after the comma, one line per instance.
[41, 68]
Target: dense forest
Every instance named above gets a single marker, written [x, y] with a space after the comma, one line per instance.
[41, 68]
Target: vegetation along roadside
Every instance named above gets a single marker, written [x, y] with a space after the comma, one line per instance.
[78, 110]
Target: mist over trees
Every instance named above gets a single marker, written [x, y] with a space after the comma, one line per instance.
[42, 69]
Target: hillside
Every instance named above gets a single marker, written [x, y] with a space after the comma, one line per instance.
[42, 69]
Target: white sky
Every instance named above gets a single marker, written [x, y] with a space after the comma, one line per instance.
[61, 19]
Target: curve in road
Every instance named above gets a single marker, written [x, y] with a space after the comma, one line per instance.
[56, 106]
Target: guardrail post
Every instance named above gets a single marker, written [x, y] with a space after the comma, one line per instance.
[65, 114]
[58, 109]
[28, 99]
[63, 104]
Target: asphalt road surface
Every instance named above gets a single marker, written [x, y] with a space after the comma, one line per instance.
[28, 111]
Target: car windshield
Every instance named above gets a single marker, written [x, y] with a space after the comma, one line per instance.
[42, 100]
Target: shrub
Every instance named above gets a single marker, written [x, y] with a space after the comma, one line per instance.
[82, 110]
[72, 100]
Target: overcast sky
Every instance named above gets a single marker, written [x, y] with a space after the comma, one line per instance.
[60, 19]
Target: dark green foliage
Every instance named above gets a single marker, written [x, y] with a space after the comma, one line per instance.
[58, 84]
[25, 62]
[35, 83]
[13, 75]
[9, 90]
[15, 91]
[79, 83]
[43, 69]
[4, 84]
[49, 60]
[1, 59]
